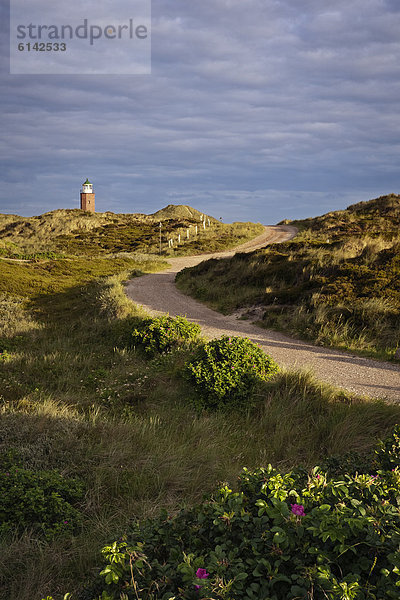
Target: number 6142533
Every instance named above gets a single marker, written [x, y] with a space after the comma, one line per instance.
[43, 47]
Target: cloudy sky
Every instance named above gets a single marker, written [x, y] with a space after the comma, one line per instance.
[254, 110]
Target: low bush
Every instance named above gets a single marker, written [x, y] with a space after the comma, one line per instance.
[41, 500]
[388, 450]
[5, 356]
[226, 370]
[386, 456]
[162, 334]
[280, 536]
[352, 463]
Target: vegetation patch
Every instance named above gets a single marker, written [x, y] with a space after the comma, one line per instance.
[225, 371]
[64, 233]
[43, 278]
[42, 501]
[280, 535]
[162, 334]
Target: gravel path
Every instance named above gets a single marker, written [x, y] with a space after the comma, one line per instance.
[157, 294]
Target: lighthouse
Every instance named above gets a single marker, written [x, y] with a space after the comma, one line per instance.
[87, 196]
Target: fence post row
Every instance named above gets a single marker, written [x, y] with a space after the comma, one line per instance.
[196, 229]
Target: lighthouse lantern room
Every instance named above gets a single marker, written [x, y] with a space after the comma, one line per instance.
[87, 196]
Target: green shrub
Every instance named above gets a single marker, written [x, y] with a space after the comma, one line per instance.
[351, 463]
[226, 370]
[162, 334]
[42, 500]
[4, 355]
[388, 450]
[281, 536]
[386, 456]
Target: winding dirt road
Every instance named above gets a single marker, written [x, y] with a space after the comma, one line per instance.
[157, 294]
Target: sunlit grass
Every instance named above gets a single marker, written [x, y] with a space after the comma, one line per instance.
[63, 233]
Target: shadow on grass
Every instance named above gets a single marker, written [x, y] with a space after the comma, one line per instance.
[71, 353]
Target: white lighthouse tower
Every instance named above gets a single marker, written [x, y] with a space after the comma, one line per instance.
[87, 196]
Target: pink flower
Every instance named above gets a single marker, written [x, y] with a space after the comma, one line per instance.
[202, 574]
[298, 509]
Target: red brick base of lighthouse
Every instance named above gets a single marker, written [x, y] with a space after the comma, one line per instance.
[87, 202]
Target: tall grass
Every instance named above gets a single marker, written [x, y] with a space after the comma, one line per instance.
[15, 318]
[217, 237]
[33, 279]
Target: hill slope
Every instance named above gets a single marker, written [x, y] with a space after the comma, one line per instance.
[76, 232]
[377, 216]
[180, 211]
[337, 283]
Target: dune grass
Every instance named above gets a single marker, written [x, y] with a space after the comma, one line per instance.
[337, 283]
[33, 279]
[76, 397]
[73, 232]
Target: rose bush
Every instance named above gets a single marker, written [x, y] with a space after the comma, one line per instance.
[279, 536]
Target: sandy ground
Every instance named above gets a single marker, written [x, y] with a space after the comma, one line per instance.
[157, 294]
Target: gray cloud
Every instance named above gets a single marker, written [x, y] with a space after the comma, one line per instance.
[261, 109]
